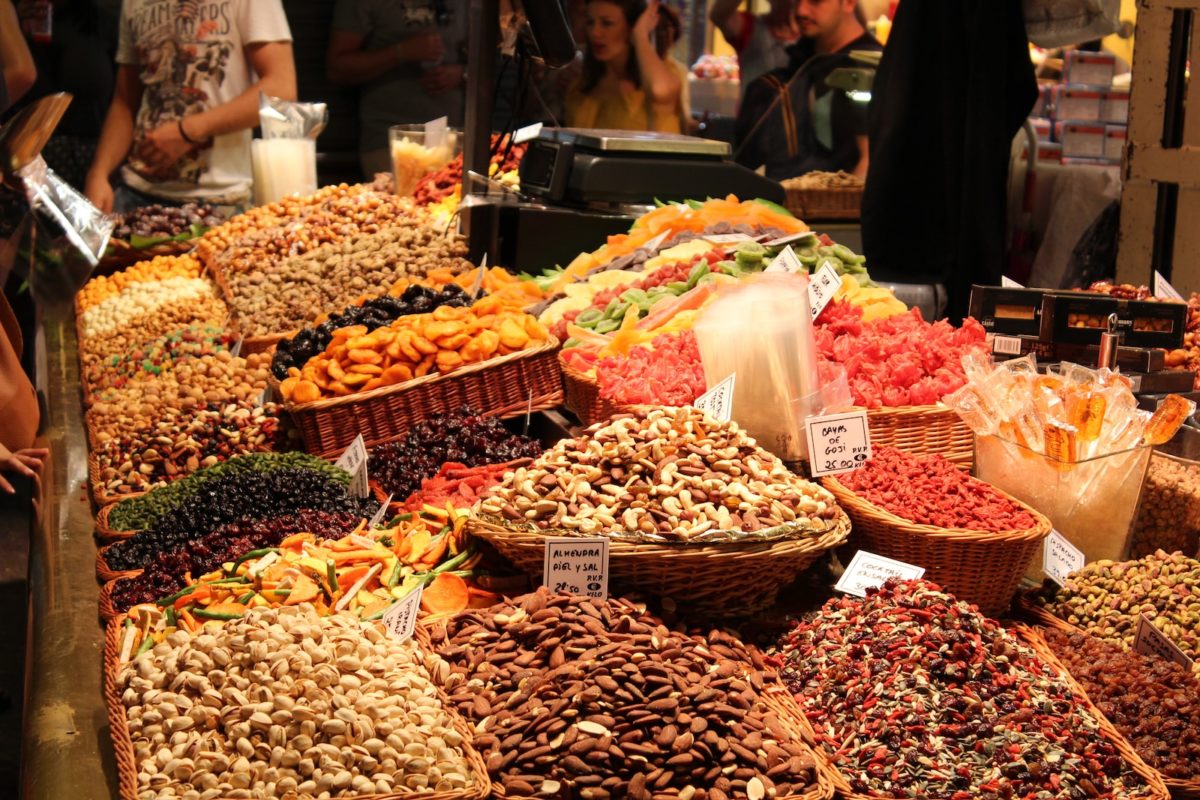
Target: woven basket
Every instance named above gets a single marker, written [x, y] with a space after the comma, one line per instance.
[1030, 610]
[127, 769]
[923, 430]
[582, 396]
[499, 387]
[108, 611]
[715, 580]
[121, 254]
[100, 494]
[836, 203]
[106, 573]
[105, 532]
[979, 567]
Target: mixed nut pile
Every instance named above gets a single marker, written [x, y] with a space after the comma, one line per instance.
[1169, 513]
[663, 474]
[599, 699]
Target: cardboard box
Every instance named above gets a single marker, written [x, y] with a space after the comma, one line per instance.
[1008, 312]
[1089, 69]
[1114, 141]
[1115, 107]
[1044, 128]
[1083, 103]
[1080, 318]
[1081, 139]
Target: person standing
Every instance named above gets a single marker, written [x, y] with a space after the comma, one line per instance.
[409, 57]
[186, 100]
[790, 121]
[16, 62]
[761, 41]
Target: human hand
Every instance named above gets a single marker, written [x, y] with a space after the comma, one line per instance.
[646, 24]
[422, 47]
[163, 146]
[442, 79]
[99, 191]
[27, 462]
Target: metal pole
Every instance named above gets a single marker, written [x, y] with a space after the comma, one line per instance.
[483, 39]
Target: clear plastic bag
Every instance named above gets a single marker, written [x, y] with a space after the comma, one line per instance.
[285, 158]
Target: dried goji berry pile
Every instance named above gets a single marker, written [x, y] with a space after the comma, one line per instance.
[929, 490]
[669, 373]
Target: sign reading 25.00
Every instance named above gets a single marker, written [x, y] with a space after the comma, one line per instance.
[838, 442]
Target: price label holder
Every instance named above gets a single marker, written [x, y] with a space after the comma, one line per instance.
[1008, 283]
[717, 402]
[728, 238]
[838, 442]
[576, 565]
[401, 619]
[1006, 345]
[1163, 289]
[656, 242]
[236, 350]
[377, 520]
[786, 262]
[791, 238]
[478, 285]
[528, 133]
[1151, 641]
[822, 286]
[869, 571]
[354, 461]
[1060, 558]
[435, 132]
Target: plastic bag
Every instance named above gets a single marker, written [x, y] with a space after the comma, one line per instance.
[285, 158]
[1054, 23]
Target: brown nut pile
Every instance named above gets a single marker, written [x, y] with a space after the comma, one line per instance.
[599, 699]
[661, 473]
[1154, 703]
[1169, 514]
[214, 378]
[284, 296]
[201, 310]
[135, 454]
[1107, 598]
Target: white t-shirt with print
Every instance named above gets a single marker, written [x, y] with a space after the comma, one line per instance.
[191, 57]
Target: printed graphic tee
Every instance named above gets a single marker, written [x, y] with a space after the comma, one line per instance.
[191, 57]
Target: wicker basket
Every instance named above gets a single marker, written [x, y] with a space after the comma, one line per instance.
[498, 387]
[835, 203]
[1030, 610]
[922, 430]
[106, 573]
[105, 532]
[979, 567]
[107, 609]
[582, 396]
[100, 494]
[121, 254]
[715, 580]
[127, 769]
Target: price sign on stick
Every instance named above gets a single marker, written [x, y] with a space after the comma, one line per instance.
[728, 238]
[1060, 558]
[435, 132]
[236, 350]
[838, 442]
[576, 565]
[478, 286]
[1151, 641]
[656, 242]
[381, 513]
[717, 402]
[786, 261]
[1163, 289]
[401, 618]
[791, 238]
[1008, 283]
[354, 461]
[822, 286]
[868, 571]
[528, 133]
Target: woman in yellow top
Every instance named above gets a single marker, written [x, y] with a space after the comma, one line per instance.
[628, 81]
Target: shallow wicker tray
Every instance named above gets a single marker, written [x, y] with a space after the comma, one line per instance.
[106, 573]
[127, 770]
[714, 580]
[979, 567]
[500, 387]
[106, 609]
[106, 533]
[843, 202]
[100, 494]
[121, 254]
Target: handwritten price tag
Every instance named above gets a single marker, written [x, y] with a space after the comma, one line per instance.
[717, 402]
[236, 350]
[656, 242]
[868, 571]
[786, 261]
[838, 442]
[1151, 641]
[1009, 283]
[1006, 345]
[528, 133]
[377, 520]
[1060, 558]
[401, 619]
[1163, 289]
[791, 238]
[435, 132]
[576, 565]
[354, 461]
[728, 238]
[822, 286]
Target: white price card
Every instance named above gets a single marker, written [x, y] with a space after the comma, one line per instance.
[791, 238]
[656, 242]
[717, 402]
[1163, 289]
[786, 261]
[576, 565]
[1006, 345]
[838, 442]
[869, 571]
[401, 619]
[377, 520]
[1009, 283]
[354, 461]
[435, 132]
[728, 238]
[823, 284]
[236, 350]
[477, 287]
[1060, 558]
[528, 133]
[1151, 641]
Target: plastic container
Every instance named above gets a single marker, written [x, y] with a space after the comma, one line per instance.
[1092, 503]
[413, 158]
[283, 167]
[1169, 516]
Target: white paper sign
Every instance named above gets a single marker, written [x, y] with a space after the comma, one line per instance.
[838, 442]
[657, 241]
[1006, 345]
[717, 402]
[435, 132]
[1060, 558]
[1163, 290]
[575, 565]
[478, 285]
[527, 133]
[822, 286]
[728, 238]
[236, 350]
[401, 619]
[377, 520]
[1153, 642]
[354, 461]
[1009, 283]
[786, 261]
[868, 571]
[791, 238]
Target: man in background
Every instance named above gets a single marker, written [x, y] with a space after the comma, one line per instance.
[790, 121]
[761, 41]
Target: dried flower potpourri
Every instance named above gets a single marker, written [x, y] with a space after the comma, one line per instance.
[662, 474]
[915, 694]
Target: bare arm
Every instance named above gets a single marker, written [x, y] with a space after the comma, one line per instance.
[116, 137]
[276, 68]
[860, 169]
[724, 14]
[347, 63]
[658, 79]
[15, 58]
